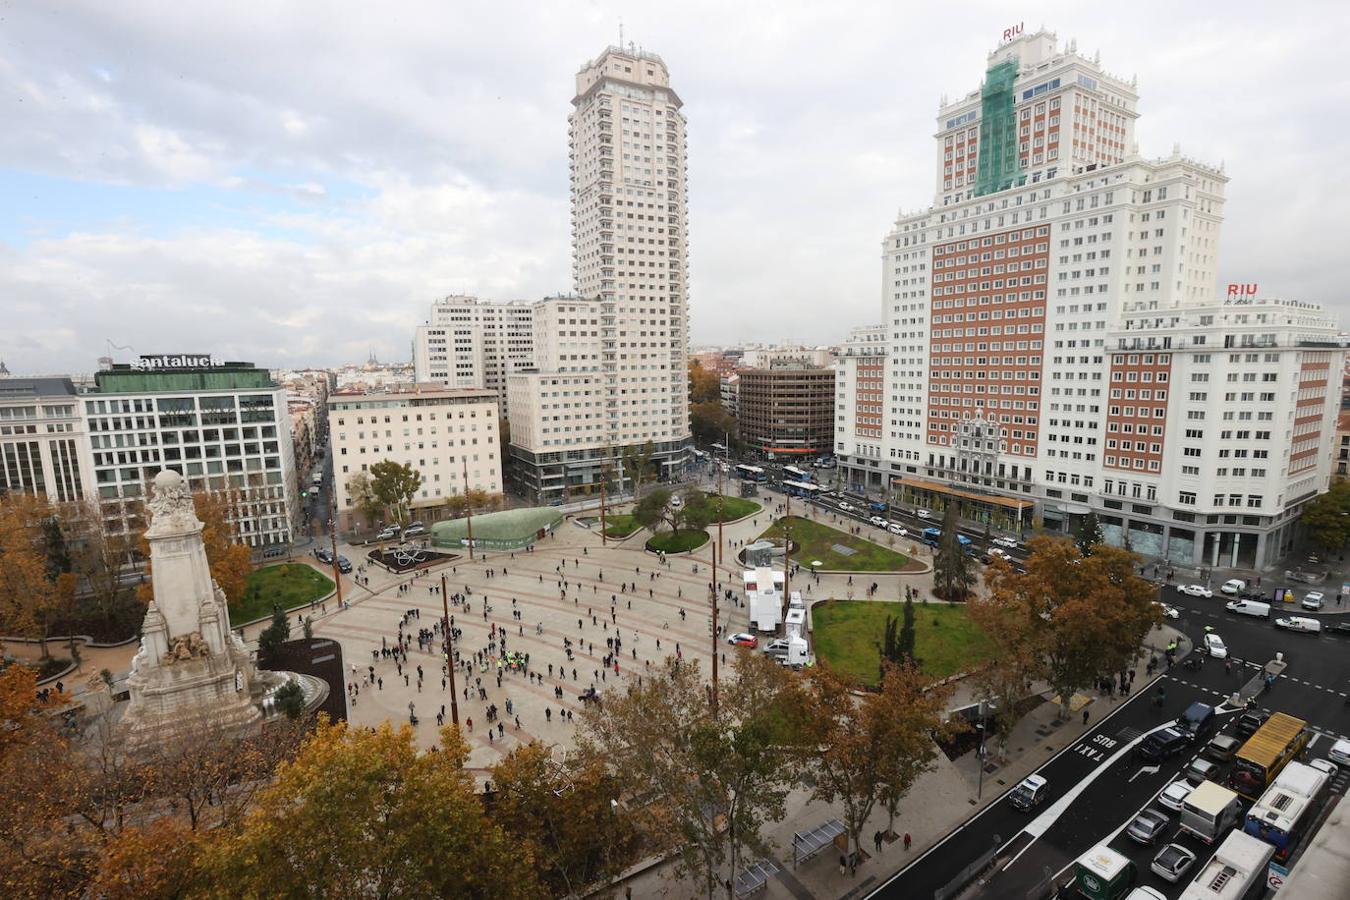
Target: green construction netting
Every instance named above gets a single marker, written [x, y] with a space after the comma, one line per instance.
[999, 167]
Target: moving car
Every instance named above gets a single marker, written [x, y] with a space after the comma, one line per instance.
[324, 556]
[1299, 623]
[1148, 826]
[743, 640]
[1247, 724]
[878, 521]
[1215, 646]
[415, 529]
[1325, 765]
[1200, 771]
[1221, 748]
[777, 647]
[999, 552]
[676, 502]
[1312, 600]
[1340, 753]
[1234, 586]
[923, 514]
[388, 534]
[1172, 862]
[1144, 892]
[1340, 628]
[897, 529]
[1169, 612]
[1256, 608]
[343, 565]
[1195, 590]
[274, 552]
[1030, 793]
[1161, 744]
[1007, 543]
[845, 507]
[1175, 794]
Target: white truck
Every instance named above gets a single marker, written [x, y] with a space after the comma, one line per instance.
[1236, 871]
[1257, 608]
[764, 598]
[1210, 810]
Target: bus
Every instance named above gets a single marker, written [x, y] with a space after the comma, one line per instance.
[1283, 811]
[1266, 752]
[750, 473]
[1236, 871]
[932, 536]
[802, 489]
[796, 474]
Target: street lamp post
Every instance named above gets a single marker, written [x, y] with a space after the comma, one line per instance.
[449, 651]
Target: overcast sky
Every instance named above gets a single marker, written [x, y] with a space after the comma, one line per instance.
[293, 183]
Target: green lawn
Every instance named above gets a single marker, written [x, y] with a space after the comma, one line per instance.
[815, 541]
[669, 542]
[849, 632]
[734, 508]
[289, 584]
[620, 525]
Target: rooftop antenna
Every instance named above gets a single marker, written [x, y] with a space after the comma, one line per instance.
[620, 32]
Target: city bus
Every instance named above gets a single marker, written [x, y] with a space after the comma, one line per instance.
[796, 474]
[932, 536]
[802, 489]
[750, 473]
[1285, 810]
[1266, 752]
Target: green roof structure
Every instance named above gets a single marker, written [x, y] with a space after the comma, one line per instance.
[510, 529]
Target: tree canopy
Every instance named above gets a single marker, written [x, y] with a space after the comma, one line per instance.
[953, 570]
[1326, 518]
[395, 485]
[704, 384]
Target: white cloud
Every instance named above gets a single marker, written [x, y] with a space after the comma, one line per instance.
[421, 150]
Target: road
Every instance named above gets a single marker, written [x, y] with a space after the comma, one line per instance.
[1097, 785]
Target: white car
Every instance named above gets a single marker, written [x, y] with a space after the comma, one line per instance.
[923, 514]
[1299, 623]
[1215, 646]
[1323, 765]
[845, 507]
[676, 502]
[1340, 753]
[998, 551]
[1312, 600]
[1169, 612]
[1195, 590]
[878, 521]
[1008, 543]
[897, 529]
[1175, 794]
[1234, 586]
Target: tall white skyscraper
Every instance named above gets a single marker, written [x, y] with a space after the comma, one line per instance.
[629, 201]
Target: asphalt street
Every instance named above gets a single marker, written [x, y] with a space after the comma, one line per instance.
[1097, 785]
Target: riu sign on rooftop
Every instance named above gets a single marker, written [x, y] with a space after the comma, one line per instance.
[1010, 33]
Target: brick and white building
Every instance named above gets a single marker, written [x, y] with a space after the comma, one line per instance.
[1044, 313]
[612, 362]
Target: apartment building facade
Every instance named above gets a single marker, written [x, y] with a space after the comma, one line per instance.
[1012, 305]
[469, 343]
[224, 426]
[448, 435]
[614, 374]
[44, 447]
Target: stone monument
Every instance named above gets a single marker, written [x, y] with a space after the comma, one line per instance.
[192, 674]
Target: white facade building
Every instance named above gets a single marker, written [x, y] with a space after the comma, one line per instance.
[1005, 303]
[612, 369]
[223, 426]
[467, 343]
[440, 432]
[44, 448]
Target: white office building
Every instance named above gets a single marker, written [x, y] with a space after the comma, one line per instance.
[469, 343]
[450, 436]
[611, 363]
[44, 448]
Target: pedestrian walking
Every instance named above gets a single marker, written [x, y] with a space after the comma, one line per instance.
[876, 839]
[907, 840]
[1085, 717]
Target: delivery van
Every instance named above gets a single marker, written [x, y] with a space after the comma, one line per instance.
[1256, 608]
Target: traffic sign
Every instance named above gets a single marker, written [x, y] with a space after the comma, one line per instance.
[1276, 875]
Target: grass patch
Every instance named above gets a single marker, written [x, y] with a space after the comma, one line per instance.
[815, 541]
[620, 525]
[669, 542]
[849, 632]
[287, 584]
[733, 508]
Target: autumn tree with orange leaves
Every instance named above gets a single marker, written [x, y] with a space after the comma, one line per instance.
[32, 595]
[1069, 619]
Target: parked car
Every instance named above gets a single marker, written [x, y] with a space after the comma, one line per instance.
[1172, 862]
[743, 640]
[1312, 600]
[1215, 646]
[1247, 724]
[1234, 586]
[343, 565]
[1195, 590]
[777, 647]
[387, 534]
[1161, 744]
[676, 502]
[1029, 794]
[1221, 748]
[1299, 623]
[1340, 753]
[1175, 794]
[1147, 826]
[416, 529]
[274, 552]
[923, 514]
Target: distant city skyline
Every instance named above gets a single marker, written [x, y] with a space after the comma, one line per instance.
[305, 208]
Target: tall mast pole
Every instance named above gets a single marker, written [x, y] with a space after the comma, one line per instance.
[332, 536]
[468, 507]
[787, 554]
[721, 514]
[603, 542]
[449, 651]
[715, 643]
